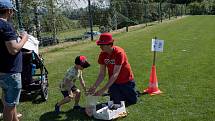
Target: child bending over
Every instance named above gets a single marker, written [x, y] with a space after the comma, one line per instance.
[67, 85]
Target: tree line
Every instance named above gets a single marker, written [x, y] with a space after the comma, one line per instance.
[57, 15]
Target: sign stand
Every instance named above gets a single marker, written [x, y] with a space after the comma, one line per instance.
[154, 54]
[157, 45]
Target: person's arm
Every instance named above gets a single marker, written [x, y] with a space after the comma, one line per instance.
[112, 79]
[100, 78]
[82, 82]
[14, 47]
[101, 75]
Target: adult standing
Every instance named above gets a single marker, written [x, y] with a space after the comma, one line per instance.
[10, 62]
[121, 84]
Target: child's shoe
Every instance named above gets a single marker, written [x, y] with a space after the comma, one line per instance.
[57, 109]
[76, 107]
[1, 116]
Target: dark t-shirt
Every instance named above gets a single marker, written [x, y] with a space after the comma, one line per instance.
[8, 63]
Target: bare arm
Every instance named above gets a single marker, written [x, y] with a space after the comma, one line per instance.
[82, 82]
[101, 75]
[14, 47]
[112, 79]
[100, 78]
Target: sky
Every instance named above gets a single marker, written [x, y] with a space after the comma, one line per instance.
[81, 3]
[84, 3]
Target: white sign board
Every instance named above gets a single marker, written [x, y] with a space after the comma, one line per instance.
[157, 45]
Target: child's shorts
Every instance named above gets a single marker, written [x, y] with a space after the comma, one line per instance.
[66, 93]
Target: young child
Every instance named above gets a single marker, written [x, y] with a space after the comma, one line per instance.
[67, 86]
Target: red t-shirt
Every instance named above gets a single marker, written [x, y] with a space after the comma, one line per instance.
[117, 57]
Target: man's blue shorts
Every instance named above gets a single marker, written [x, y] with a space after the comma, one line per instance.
[123, 92]
[11, 86]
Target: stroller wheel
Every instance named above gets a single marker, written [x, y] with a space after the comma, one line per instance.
[44, 88]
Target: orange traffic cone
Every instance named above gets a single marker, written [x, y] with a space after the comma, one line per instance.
[153, 83]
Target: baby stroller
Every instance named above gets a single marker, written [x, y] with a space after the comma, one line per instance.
[34, 74]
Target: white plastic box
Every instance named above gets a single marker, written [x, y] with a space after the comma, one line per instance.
[107, 114]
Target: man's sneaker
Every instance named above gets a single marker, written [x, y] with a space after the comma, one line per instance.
[77, 107]
[1, 116]
[57, 109]
[19, 115]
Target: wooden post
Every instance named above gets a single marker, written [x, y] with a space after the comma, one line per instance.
[90, 19]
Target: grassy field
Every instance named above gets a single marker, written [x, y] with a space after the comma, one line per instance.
[185, 71]
[73, 33]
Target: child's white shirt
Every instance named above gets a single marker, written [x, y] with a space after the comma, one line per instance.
[72, 75]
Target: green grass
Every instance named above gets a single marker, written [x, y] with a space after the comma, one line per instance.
[185, 71]
[73, 33]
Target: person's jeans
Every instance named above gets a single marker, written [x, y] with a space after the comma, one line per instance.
[11, 86]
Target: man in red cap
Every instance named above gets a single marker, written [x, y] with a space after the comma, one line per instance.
[121, 84]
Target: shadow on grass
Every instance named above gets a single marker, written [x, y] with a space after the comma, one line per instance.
[71, 115]
[34, 98]
[141, 93]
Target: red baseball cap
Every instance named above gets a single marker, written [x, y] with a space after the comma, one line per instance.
[82, 60]
[105, 39]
